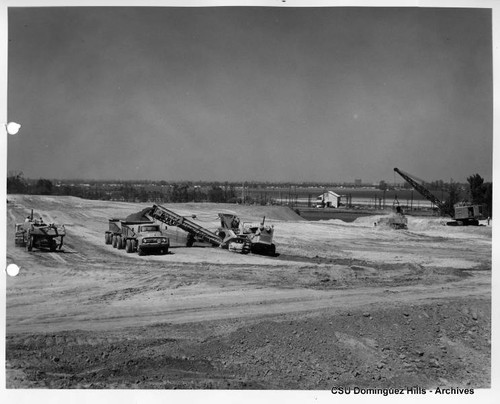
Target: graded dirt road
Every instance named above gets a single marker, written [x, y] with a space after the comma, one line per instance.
[348, 303]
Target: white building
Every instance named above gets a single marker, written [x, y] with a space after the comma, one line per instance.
[328, 199]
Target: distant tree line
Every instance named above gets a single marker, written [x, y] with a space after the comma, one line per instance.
[17, 184]
[128, 191]
[476, 190]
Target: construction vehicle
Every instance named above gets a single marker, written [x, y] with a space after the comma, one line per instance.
[233, 243]
[36, 233]
[258, 236]
[464, 214]
[229, 232]
[397, 220]
[143, 237]
[194, 230]
[241, 239]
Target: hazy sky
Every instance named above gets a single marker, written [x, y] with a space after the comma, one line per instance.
[250, 93]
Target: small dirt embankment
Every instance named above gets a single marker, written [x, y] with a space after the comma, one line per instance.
[440, 344]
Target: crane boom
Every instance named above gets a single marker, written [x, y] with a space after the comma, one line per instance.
[424, 192]
[463, 213]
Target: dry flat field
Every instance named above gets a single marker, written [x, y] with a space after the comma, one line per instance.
[343, 304]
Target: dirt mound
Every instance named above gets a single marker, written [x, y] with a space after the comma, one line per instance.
[428, 223]
[253, 213]
[270, 212]
[139, 216]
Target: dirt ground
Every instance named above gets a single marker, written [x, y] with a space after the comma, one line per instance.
[348, 304]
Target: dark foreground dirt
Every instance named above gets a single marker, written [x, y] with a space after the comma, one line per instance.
[443, 344]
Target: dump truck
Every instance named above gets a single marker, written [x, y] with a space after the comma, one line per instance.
[141, 237]
[35, 233]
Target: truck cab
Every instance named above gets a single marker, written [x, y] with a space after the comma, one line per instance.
[149, 228]
[151, 239]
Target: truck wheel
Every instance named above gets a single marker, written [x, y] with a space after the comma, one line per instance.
[119, 242]
[123, 243]
[107, 238]
[128, 246]
[114, 240]
[140, 252]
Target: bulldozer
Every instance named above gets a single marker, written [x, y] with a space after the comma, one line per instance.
[246, 237]
[397, 220]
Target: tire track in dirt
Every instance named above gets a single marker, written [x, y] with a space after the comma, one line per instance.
[224, 306]
[74, 253]
[58, 258]
[13, 217]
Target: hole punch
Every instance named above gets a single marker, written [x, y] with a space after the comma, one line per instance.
[12, 128]
[12, 270]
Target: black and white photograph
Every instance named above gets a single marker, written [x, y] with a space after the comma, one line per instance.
[237, 197]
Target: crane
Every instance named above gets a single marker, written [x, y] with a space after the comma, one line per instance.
[463, 214]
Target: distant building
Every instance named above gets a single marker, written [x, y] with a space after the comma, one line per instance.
[328, 199]
[357, 182]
